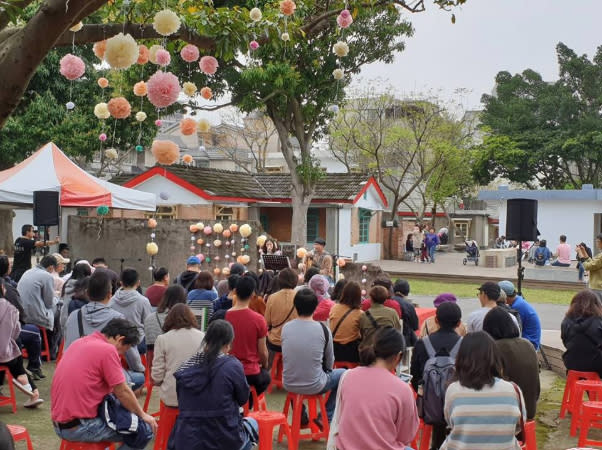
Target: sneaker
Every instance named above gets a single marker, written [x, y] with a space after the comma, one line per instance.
[37, 374]
[23, 388]
[33, 403]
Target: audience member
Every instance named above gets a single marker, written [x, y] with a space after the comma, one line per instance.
[280, 308]
[307, 353]
[308, 275]
[181, 340]
[100, 264]
[225, 301]
[320, 285]
[155, 292]
[374, 409]
[257, 303]
[562, 253]
[209, 414]
[80, 271]
[237, 269]
[480, 403]
[519, 359]
[344, 321]
[65, 252]
[88, 372]
[154, 323]
[389, 302]
[203, 296]
[531, 327]
[378, 315]
[431, 325]
[79, 296]
[186, 278]
[581, 333]
[337, 290]
[489, 293]
[60, 267]
[401, 290]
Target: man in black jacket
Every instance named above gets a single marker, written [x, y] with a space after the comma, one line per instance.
[401, 289]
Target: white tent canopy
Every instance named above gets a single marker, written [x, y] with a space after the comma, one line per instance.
[49, 169]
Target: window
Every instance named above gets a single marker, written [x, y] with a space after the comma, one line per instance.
[163, 212]
[82, 211]
[224, 213]
[265, 222]
[313, 224]
[365, 215]
[461, 229]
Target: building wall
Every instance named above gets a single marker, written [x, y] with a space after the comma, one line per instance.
[177, 194]
[279, 222]
[349, 235]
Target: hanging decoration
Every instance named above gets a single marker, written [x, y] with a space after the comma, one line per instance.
[72, 67]
[143, 54]
[77, 27]
[187, 127]
[119, 108]
[140, 89]
[255, 14]
[301, 252]
[102, 210]
[341, 49]
[152, 53]
[99, 49]
[165, 152]
[101, 111]
[103, 83]
[206, 93]
[208, 65]
[344, 19]
[163, 58]
[338, 74]
[287, 7]
[218, 228]
[121, 51]
[166, 22]
[285, 37]
[253, 45]
[152, 249]
[261, 240]
[245, 230]
[189, 88]
[140, 116]
[190, 53]
[187, 159]
[152, 223]
[111, 154]
[204, 125]
[163, 89]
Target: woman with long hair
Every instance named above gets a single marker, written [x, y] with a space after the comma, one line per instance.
[81, 270]
[203, 295]
[154, 323]
[375, 409]
[211, 388]
[581, 333]
[344, 321]
[481, 409]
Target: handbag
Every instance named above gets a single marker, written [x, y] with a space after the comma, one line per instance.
[520, 435]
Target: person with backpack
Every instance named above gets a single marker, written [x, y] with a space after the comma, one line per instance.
[378, 315]
[542, 254]
[432, 368]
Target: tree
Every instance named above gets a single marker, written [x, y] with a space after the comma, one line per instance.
[545, 133]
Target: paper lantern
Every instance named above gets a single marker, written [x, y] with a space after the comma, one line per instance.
[245, 259]
[166, 22]
[200, 225]
[140, 116]
[187, 127]
[226, 271]
[301, 252]
[218, 228]
[261, 240]
[165, 152]
[143, 54]
[152, 249]
[152, 53]
[227, 233]
[208, 65]
[245, 230]
[338, 74]
[217, 243]
[187, 159]
[119, 108]
[204, 126]
[200, 241]
[344, 20]
[111, 154]
[253, 45]
[121, 51]
[163, 57]
[101, 110]
[103, 82]
[208, 230]
[72, 67]
[152, 223]
[233, 228]
[163, 89]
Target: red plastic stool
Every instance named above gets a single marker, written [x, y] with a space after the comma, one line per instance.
[72, 445]
[259, 402]
[422, 441]
[45, 348]
[313, 402]
[59, 355]
[267, 420]
[530, 438]
[345, 365]
[592, 418]
[147, 360]
[276, 373]
[20, 433]
[12, 400]
[572, 377]
[167, 420]
[594, 389]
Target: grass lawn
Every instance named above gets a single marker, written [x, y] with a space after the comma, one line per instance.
[469, 290]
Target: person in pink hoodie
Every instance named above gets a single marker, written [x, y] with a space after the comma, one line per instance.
[319, 284]
[10, 353]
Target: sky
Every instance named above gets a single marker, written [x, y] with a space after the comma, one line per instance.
[489, 36]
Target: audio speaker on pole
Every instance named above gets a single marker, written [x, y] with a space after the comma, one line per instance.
[521, 220]
[46, 208]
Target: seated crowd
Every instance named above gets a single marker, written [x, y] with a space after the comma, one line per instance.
[207, 350]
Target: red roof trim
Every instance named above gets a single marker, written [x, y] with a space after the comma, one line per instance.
[372, 182]
[426, 214]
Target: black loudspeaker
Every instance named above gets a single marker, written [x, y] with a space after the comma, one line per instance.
[521, 220]
[46, 208]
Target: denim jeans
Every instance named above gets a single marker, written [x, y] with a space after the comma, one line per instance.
[91, 430]
[30, 339]
[581, 270]
[135, 378]
[332, 384]
[431, 251]
[248, 444]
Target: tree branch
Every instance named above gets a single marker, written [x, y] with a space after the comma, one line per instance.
[4, 17]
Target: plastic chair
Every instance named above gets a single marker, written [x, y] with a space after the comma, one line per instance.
[60, 353]
[20, 433]
[147, 360]
[345, 365]
[259, 402]
[167, 420]
[572, 377]
[422, 441]
[276, 373]
[530, 438]
[594, 389]
[591, 418]
[72, 445]
[267, 421]
[12, 400]
[313, 402]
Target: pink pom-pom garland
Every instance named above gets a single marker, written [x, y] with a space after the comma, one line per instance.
[344, 20]
[163, 89]
[190, 53]
[208, 65]
[163, 57]
[72, 67]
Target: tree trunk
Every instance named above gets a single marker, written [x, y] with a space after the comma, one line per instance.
[392, 216]
[300, 205]
[6, 231]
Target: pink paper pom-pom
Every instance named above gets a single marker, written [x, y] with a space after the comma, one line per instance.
[189, 53]
[158, 122]
[253, 45]
[165, 152]
[208, 65]
[102, 137]
[143, 54]
[345, 19]
[72, 67]
[163, 89]
[163, 57]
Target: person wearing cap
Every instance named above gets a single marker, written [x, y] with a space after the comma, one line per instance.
[24, 245]
[431, 326]
[320, 258]
[186, 278]
[58, 281]
[531, 326]
[448, 318]
[65, 252]
[489, 293]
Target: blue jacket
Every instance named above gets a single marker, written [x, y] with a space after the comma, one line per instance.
[135, 432]
[541, 255]
[530, 321]
[431, 239]
[209, 398]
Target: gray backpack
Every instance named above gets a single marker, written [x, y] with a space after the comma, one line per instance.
[437, 375]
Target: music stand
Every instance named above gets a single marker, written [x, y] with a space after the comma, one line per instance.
[275, 262]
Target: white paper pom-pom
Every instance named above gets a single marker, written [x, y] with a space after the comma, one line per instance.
[203, 126]
[140, 116]
[189, 88]
[111, 154]
[285, 37]
[255, 14]
[121, 51]
[101, 110]
[152, 53]
[340, 49]
[338, 74]
[166, 22]
[75, 28]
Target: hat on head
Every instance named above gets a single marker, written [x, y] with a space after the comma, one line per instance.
[192, 261]
[59, 258]
[507, 287]
[237, 269]
[490, 289]
[320, 241]
[446, 297]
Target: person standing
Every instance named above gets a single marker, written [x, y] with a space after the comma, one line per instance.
[155, 292]
[431, 241]
[22, 252]
[562, 253]
[531, 326]
[594, 266]
[580, 260]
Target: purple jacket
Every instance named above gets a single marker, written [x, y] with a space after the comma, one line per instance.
[10, 328]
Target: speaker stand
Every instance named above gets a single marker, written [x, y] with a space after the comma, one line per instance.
[521, 270]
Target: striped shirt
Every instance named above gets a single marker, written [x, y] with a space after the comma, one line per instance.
[482, 420]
